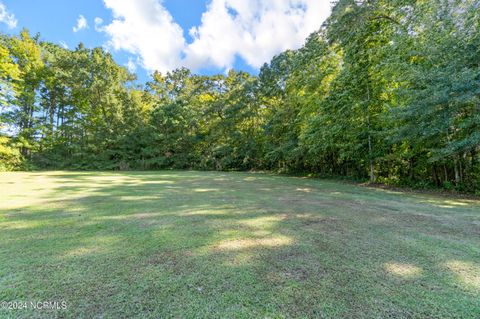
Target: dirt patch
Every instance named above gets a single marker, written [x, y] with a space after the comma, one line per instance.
[309, 201]
[290, 199]
[170, 260]
[164, 258]
[289, 255]
[282, 275]
[387, 208]
[313, 221]
[296, 274]
[417, 218]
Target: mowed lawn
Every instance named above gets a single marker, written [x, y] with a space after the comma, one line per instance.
[233, 245]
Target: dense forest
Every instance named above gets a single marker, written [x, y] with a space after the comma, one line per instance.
[386, 91]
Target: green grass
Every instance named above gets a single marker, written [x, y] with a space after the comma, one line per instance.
[233, 245]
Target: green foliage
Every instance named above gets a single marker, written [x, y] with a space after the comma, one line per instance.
[10, 157]
[386, 91]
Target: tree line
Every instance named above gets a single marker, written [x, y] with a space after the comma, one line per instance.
[385, 90]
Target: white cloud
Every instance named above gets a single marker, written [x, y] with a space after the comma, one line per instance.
[98, 24]
[145, 28]
[81, 24]
[7, 17]
[254, 30]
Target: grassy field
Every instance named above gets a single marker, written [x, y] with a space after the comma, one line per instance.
[233, 245]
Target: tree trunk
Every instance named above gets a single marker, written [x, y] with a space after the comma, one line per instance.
[445, 172]
[458, 179]
[436, 180]
[372, 171]
[370, 146]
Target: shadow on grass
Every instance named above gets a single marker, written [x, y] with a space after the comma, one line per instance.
[193, 244]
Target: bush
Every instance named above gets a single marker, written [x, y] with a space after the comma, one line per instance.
[10, 157]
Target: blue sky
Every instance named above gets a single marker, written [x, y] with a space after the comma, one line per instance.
[207, 36]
